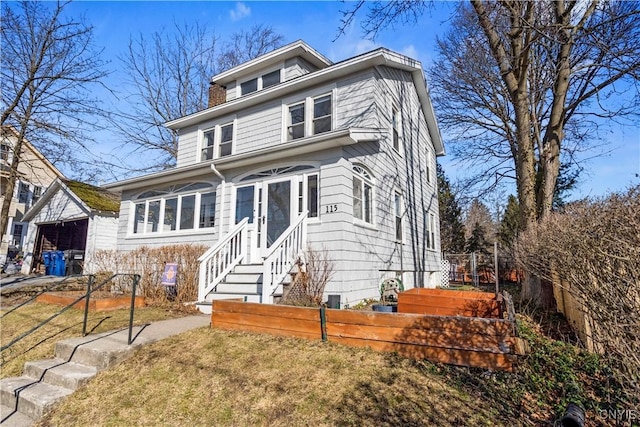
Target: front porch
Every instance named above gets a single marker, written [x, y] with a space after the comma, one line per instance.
[249, 264]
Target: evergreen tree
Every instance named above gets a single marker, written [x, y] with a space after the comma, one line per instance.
[477, 242]
[510, 224]
[451, 227]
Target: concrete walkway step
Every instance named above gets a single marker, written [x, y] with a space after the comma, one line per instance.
[11, 417]
[31, 397]
[58, 372]
[26, 399]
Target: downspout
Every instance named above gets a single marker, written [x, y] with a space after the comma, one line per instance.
[223, 185]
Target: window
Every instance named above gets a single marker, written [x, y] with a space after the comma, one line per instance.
[244, 203]
[17, 235]
[311, 195]
[23, 193]
[217, 142]
[4, 152]
[296, 121]
[37, 193]
[226, 140]
[398, 215]
[249, 86]
[258, 83]
[314, 111]
[362, 194]
[271, 79]
[187, 212]
[322, 114]
[428, 168]
[167, 211]
[430, 220]
[207, 210]
[208, 145]
[153, 217]
[395, 126]
[170, 214]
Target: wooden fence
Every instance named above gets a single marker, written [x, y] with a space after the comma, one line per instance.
[465, 341]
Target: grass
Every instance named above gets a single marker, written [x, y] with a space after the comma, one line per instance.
[40, 344]
[213, 377]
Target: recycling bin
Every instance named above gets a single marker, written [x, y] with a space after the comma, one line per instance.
[47, 260]
[58, 263]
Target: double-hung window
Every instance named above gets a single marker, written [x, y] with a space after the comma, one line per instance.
[217, 142]
[37, 193]
[312, 116]
[429, 166]
[430, 220]
[395, 129]
[322, 114]
[398, 211]
[208, 144]
[249, 86]
[296, 126]
[23, 193]
[5, 149]
[362, 194]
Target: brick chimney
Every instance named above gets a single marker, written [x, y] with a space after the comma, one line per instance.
[217, 95]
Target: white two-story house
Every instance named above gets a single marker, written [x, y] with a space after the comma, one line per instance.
[297, 152]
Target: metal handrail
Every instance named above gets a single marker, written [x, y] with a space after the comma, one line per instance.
[47, 289]
[87, 295]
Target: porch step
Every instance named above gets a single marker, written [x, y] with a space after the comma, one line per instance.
[238, 288]
[248, 269]
[243, 278]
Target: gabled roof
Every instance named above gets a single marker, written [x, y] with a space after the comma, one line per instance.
[91, 198]
[96, 198]
[297, 48]
[25, 143]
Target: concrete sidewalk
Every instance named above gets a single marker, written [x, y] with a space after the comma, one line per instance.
[25, 399]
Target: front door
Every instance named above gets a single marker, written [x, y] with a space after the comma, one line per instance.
[277, 208]
[269, 208]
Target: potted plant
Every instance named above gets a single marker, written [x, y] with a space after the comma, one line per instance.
[389, 290]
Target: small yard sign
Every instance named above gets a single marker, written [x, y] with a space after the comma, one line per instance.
[170, 273]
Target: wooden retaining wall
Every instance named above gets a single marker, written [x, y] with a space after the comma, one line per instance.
[465, 341]
[443, 302]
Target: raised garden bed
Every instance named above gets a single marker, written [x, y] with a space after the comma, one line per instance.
[99, 301]
[444, 302]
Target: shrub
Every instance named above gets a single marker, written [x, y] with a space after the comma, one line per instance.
[592, 250]
[149, 264]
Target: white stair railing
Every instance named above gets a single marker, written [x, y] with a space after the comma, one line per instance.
[282, 255]
[222, 258]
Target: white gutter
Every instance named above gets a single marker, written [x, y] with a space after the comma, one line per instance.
[223, 185]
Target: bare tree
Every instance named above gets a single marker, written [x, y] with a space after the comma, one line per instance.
[168, 78]
[246, 45]
[525, 83]
[49, 66]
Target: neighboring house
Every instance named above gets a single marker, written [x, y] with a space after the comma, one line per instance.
[35, 174]
[297, 151]
[74, 216]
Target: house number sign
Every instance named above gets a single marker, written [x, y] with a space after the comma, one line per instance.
[331, 208]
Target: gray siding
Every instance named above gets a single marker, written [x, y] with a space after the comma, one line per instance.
[296, 67]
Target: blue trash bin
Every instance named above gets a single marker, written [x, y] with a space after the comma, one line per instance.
[48, 263]
[59, 265]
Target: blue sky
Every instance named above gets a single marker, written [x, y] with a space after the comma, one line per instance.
[317, 22]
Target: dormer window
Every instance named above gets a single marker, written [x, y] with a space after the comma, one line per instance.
[261, 82]
[249, 86]
[270, 79]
